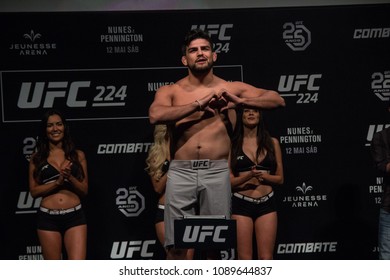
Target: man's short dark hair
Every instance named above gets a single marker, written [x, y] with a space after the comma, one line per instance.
[193, 35]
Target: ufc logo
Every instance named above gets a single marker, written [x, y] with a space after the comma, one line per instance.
[200, 233]
[32, 96]
[127, 249]
[296, 82]
[215, 29]
[200, 164]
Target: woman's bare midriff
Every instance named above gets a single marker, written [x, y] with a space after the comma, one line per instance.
[63, 199]
[259, 191]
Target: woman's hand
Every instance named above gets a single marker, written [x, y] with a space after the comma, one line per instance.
[66, 170]
[259, 174]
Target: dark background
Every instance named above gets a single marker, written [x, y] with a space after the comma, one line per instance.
[330, 63]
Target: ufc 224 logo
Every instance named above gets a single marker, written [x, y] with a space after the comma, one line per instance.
[35, 95]
[201, 233]
[221, 32]
[296, 36]
[305, 87]
[380, 84]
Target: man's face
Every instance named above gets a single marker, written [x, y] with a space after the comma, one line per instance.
[199, 56]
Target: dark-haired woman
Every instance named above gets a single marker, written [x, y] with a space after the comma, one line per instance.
[256, 163]
[58, 174]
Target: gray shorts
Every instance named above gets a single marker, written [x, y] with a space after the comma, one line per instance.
[198, 187]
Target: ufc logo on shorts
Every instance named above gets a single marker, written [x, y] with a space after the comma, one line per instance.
[200, 164]
[200, 233]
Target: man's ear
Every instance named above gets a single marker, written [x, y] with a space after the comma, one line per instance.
[214, 56]
[184, 60]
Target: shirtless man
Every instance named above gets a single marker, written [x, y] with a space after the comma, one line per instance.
[197, 106]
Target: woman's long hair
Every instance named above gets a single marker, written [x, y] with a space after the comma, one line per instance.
[264, 140]
[158, 152]
[43, 147]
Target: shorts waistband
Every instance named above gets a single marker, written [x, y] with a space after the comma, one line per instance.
[254, 200]
[60, 211]
[199, 164]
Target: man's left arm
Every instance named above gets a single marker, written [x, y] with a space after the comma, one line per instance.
[246, 95]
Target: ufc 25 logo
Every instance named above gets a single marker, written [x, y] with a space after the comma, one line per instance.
[381, 85]
[52, 90]
[296, 36]
[201, 233]
[128, 249]
[130, 202]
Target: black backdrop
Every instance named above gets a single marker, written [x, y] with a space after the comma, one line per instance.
[331, 64]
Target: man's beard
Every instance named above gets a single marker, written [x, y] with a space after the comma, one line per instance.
[201, 70]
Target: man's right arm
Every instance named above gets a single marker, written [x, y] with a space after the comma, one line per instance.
[163, 111]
